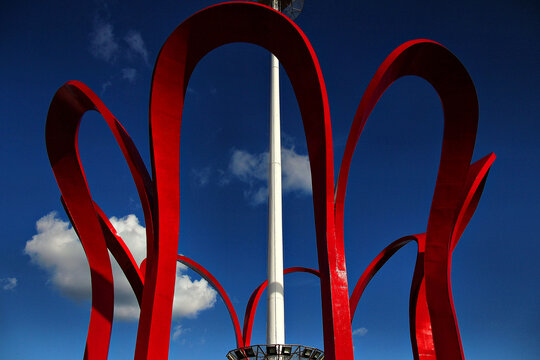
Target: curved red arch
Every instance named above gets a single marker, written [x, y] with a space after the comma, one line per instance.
[374, 267]
[420, 322]
[476, 179]
[122, 255]
[195, 37]
[446, 74]
[199, 269]
[253, 302]
[67, 107]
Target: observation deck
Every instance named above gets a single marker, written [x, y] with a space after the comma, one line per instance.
[276, 352]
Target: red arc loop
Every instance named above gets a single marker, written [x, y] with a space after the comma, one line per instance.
[253, 302]
[68, 106]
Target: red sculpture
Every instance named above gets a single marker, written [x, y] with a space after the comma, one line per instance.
[420, 323]
[251, 307]
[434, 330]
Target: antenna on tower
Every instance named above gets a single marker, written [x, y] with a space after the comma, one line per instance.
[291, 8]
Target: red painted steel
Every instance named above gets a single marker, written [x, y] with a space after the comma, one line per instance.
[420, 322]
[420, 325]
[374, 267]
[449, 78]
[253, 302]
[119, 250]
[434, 330]
[194, 38]
[199, 269]
[69, 104]
[122, 255]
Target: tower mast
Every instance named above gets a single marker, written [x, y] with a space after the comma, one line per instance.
[276, 348]
[275, 325]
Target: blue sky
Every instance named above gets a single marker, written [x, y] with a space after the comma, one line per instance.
[111, 46]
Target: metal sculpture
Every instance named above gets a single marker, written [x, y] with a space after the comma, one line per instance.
[251, 307]
[205, 274]
[457, 191]
[420, 323]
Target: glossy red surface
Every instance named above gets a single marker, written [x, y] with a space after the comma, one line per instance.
[420, 322]
[434, 63]
[194, 38]
[67, 107]
[253, 302]
[434, 330]
[217, 286]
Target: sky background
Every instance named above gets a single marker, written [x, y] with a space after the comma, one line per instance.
[111, 46]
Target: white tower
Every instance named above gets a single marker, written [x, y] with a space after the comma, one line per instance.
[275, 325]
[275, 347]
[275, 330]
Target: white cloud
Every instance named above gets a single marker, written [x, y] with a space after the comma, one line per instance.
[105, 86]
[130, 74]
[248, 167]
[8, 283]
[252, 169]
[57, 249]
[296, 171]
[191, 297]
[136, 44]
[360, 331]
[202, 176]
[177, 331]
[257, 196]
[103, 43]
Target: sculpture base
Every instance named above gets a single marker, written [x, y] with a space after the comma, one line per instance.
[276, 352]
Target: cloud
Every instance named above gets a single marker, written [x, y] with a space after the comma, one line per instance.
[130, 74]
[296, 171]
[103, 43]
[136, 44]
[57, 249]
[360, 331]
[257, 196]
[248, 167]
[252, 169]
[202, 176]
[177, 331]
[105, 86]
[8, 283]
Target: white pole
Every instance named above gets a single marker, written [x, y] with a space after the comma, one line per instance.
[275, 331]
